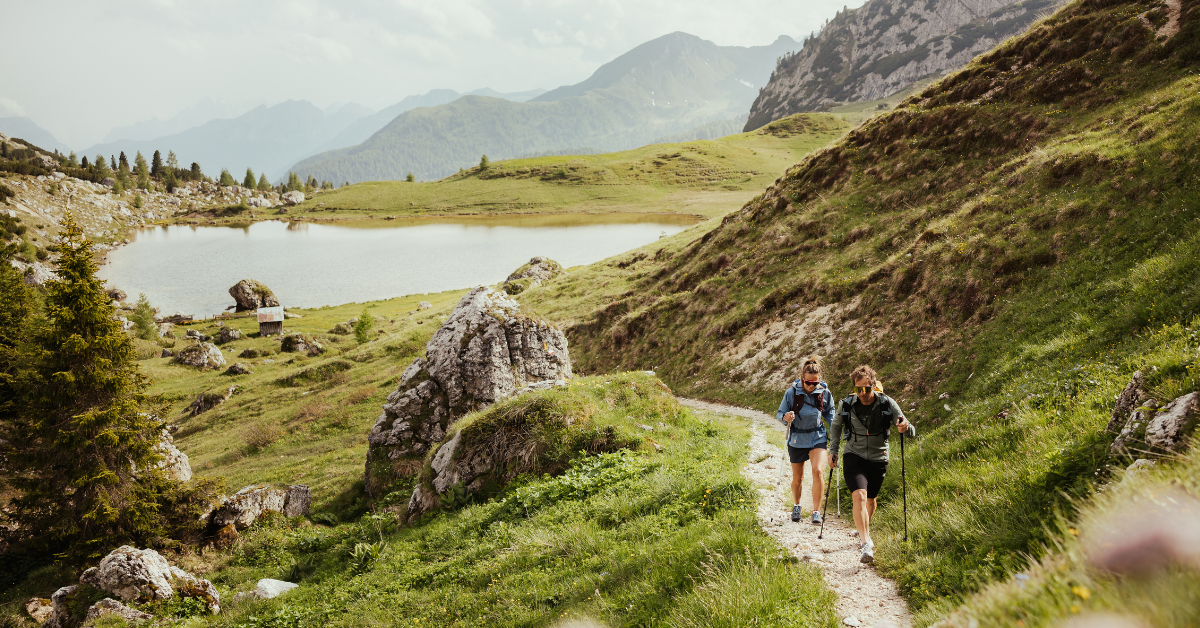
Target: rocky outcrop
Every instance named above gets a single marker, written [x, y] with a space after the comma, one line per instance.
[203, 355]
[174, 462]
[135, 575]
[249, 294]
[300, 343]
[59, 615]
[293, 198]
[239, 368]
[486, 351]
[228, 334]
[538, 270]
[208, 400]
[1139, 422]
[40, 609]
[109, 606]
[884, 46]
[248, 504]
[116, 294]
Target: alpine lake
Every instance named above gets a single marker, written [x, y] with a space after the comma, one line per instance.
[188, 269]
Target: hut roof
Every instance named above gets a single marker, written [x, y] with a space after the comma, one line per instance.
[270, 314]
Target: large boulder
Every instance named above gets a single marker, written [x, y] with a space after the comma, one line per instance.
[249, 294]
[300, 343]
[1170, 425]
[486, 351]
[228, 334]
[135, 575]
[174, 462]
[208, 400]
[294, 197]
[248, 504]
[1140, 422]
[59, 615]
[109, 606]
[532, 274]
[204, 355]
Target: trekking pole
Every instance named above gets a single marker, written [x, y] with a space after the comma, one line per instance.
[904, 486]
[828, 485]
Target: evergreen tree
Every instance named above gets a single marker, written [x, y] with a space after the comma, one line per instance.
[4, 150]
[172, 160]
[248, 181]
[263, 183]
[80, 431]
[226, 178]
[156, 165]
[85, 164]
[362, 329]
[484, 163]
[143, 320]
[123, 162]
[101, 166]
[112, 161]
[170, 183]
[196, 173]
[143, 171]
[16, 306]
[410, 178]
[73, 160]
[293, 182]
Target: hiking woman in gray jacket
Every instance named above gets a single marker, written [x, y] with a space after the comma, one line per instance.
[867, 418]
[806, 407]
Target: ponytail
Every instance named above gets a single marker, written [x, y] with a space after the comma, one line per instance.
[812, 364]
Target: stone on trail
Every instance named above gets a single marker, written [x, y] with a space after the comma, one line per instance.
[486, 351]
[249, 294]
[203, 355]
[851, 621]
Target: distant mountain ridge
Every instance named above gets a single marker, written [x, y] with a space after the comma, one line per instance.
[264, 138]
[884, 46]
[664, 87]
[25, 128]
[205, 110]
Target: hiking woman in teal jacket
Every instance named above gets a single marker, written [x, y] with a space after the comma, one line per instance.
[806, 407]
[867, 418]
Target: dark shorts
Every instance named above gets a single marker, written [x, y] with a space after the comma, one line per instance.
[800, 456]
[863, 474]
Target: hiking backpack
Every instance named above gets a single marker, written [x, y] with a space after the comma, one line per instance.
[799, 394]
[879, 421]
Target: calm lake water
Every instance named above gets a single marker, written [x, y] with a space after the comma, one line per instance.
[189, 269]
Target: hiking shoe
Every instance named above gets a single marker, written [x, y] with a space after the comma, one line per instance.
[868, 553]
[816, 518]
[795, 513]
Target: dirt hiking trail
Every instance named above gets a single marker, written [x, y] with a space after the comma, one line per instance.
[865, 598]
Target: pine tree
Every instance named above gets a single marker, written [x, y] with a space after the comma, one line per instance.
[227, 179]
[123, 162]
[143, 171]
[410, 178]
[80, 429]
[170, 183]
[156, 165]
[85, 164]
[112, 161]
[263, 183]
[172, 160]
[196, 173]
[101, 166]
[484, 163]
[293, 182]
[143, 319]
[362, 329]
[16, 306]
[73, 160]
[4, 150]
[248, 181]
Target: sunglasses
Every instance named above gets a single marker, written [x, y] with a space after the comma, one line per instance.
[862, 390]
[811, 383]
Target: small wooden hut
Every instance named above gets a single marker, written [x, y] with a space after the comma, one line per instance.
[270, 320]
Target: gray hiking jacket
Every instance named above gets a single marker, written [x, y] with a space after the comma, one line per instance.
[847, 427]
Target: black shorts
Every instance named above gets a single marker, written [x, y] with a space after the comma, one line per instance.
[800, 456]
[863, 474]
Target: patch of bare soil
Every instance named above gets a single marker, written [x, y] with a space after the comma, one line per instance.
[865, 598]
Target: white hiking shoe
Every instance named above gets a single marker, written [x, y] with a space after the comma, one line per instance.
[868, 553]
[816, 517]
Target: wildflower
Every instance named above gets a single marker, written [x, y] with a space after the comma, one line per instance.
[1082, 592]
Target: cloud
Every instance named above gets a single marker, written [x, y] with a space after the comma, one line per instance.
[10, 108]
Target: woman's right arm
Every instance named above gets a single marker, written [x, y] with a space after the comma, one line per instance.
[785, 406]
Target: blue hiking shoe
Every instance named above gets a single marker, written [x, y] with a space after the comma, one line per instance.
[796, 513]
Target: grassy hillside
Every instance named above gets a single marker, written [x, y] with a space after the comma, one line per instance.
[1012, 238]
[704, 177]
[666, 86]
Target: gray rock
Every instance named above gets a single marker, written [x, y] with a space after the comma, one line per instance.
[109, 606]
[167, 353]
[195, 335]
[259, 201]
[293, 198]
[60, 611]
[342, 329]
[208, 400]
[424, 305]
[239, 368]
[1127, 422]
[268, 588]
[116, 294]
[228, 334]
[173, 461]
[108, 182]
[249, 294]
[133, 575]
[299, 343]
[1167, 430]
[166, 329]
[538, 270]
[204, 355]
[486, 351]
[248, 504]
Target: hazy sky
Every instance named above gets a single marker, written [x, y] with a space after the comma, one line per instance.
[80, 68]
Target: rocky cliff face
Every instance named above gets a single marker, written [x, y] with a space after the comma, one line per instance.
[486, 351]
[883, 47]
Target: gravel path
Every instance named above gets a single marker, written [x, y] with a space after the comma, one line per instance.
[865, 598]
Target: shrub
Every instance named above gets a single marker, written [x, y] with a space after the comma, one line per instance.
[362, 329]
[260, 436]
[143, 320]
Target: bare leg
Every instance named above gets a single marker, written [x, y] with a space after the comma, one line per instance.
[797, 484]
[863, 509]
[817, 458]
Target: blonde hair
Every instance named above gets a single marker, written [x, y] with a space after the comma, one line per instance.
[812, 364]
